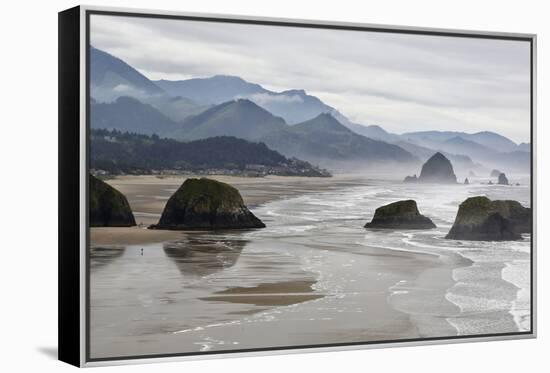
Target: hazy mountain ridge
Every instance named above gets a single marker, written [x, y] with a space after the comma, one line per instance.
[459, 145]
[241, 118]
[183, 105]
[324, 138]
[296, 106]
[488, 139]
[129, 114]
[111, 77]
[374, 132]
[319, 139]
[176, 108]
[293, 105]
[210, 91]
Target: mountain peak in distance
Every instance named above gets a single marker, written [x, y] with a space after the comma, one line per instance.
[111, 77]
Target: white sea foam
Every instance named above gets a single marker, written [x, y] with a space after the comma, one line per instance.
[481, 288]
[201, 328]
[517, 273]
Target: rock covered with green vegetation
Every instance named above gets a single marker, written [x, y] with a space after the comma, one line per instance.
[400, 215]
[206, 204]
[480, 219]
[108, 207]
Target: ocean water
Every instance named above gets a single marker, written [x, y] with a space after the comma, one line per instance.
[160, 299]
[497, 279]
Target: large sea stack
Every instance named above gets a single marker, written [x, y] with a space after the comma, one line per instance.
[480, 219]
[206, 204]
[400, 215]
[437, 169]
[108, 207]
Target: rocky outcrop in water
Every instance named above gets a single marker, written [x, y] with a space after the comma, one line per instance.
[206, 204]
[466, 181]
[400, 215]
[108, 207]
[495, 173]
[502, 179]
[438, 169]
[480, 219]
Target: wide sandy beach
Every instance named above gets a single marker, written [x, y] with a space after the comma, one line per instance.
[148, 195]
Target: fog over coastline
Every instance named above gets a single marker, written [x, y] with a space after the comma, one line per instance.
[401, 82]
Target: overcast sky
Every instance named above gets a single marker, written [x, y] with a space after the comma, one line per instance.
[401, 82]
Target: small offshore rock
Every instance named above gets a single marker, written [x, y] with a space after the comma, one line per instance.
[400, 215]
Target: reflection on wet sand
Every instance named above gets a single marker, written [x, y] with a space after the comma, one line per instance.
[268, 294]
[204, 256]
[100, 256]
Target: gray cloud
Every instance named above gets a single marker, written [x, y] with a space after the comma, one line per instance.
[402, 82]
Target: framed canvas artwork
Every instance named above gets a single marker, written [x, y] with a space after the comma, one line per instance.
[245, 185]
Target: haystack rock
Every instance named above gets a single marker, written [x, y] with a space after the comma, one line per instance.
[108, 207]
[480, 219]
[438, 169]
[206, 204]
[502, 179]
[400, 215]
[466, 181]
